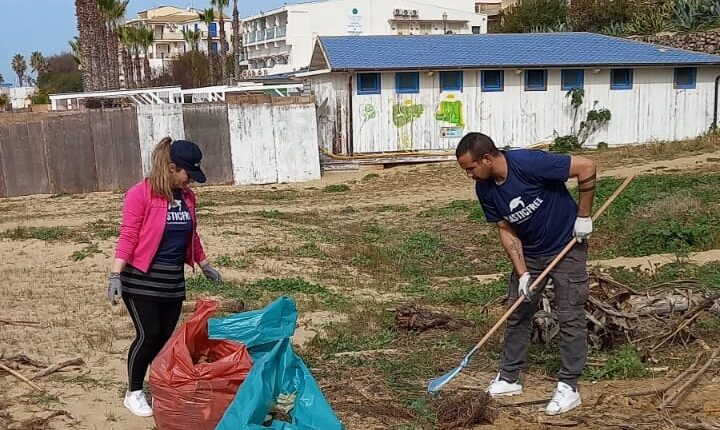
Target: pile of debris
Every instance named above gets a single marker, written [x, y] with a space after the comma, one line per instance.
[648, 319]
[411, 317]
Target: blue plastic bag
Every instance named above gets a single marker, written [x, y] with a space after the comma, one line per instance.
[276, 370]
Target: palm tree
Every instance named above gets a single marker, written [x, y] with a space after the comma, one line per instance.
[236, 39]
[4, 101]
[208, 17]
[2, 79]
[221, 5]
[93, 44]
[146, 37]
[38, 63]
[192, 37]
[19, 66]
[134, 34]
[125, 37]
[113, 11]
[75, 50]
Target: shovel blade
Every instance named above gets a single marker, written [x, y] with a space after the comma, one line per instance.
[438, 383]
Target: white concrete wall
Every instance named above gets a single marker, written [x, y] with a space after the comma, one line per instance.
[336, 18]
[272, 144]
[154, 123]
[651, 111]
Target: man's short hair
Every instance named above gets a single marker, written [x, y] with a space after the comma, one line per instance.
[478, 145]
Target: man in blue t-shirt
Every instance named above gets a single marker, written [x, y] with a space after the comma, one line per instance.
[524, 193]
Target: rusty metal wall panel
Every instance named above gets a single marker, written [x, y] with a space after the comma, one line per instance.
[208, 126]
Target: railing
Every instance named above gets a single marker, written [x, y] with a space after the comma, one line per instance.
[260, 35]
[270, 33]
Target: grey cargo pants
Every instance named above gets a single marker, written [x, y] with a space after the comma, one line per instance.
[570, 279]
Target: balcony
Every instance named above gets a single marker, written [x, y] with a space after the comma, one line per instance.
[265, 35]
[170, 36]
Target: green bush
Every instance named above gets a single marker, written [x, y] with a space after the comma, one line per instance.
[527, 15]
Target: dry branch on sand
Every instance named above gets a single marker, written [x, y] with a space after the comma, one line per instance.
[411, 317]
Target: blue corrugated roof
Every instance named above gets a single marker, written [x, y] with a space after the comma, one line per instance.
[500, 50]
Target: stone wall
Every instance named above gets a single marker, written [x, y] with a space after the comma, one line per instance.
[703, 41]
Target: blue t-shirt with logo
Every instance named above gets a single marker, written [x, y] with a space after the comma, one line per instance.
[178, 229]
[533, 199]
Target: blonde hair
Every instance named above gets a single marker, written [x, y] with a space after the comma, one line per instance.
[160, 180]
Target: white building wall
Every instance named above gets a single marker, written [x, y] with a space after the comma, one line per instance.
[360, 17]
[653, 110]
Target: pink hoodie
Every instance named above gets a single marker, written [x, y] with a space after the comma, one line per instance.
[143, 225]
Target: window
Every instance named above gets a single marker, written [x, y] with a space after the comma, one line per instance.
[621, 79]
[572, 78]
[451, 81]
[213, 29]
[475, 29]
[685, 78]
[536, 80]
[407, 83]
[368, 83]
[492, 80]
[214, 47]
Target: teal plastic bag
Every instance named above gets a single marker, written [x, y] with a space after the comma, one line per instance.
[276, 371]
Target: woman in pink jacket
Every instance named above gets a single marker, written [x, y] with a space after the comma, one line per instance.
[158, 236]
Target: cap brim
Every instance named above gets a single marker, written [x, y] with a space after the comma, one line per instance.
[197, 175]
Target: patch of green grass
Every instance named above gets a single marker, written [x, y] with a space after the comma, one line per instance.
[469, 208]
[103, 229]
[40, 233]
[625, 363]
[289, 285]
[708, 275]
[233, 263]
[671, 235]
[470, 292]
[658, 213]
[86, 252]
[366, 329]
[279, 195]
[336, 188]
[370, 177]
[422, 244]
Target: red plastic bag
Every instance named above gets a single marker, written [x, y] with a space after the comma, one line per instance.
[193, 379]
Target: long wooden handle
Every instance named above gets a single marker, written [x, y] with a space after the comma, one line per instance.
[547, 270]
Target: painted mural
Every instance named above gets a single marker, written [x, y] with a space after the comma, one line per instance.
[404, 113]
[451, 111]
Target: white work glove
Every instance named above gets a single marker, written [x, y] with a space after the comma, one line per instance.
[583, 228]
[524, 286]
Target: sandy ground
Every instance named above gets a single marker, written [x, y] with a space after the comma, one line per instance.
[65, 299]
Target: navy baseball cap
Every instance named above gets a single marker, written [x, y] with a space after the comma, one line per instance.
[187, 156]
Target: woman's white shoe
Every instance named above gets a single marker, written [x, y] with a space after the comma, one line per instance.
[136, 402]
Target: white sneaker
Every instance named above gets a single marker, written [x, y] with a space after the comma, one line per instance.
[499, 387]
[137, 404]
[564, 399]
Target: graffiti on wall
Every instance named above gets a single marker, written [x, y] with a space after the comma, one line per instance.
[367, 113]
[404, 113]
[450, 111]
